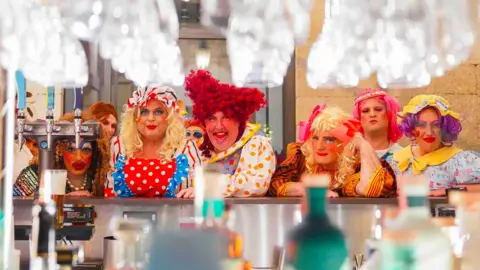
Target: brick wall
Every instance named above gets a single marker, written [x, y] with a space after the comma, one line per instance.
[460, 86]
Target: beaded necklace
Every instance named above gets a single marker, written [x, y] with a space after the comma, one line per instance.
[82, 187]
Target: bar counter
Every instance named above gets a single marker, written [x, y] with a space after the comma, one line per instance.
[263, 222]
[21, 201]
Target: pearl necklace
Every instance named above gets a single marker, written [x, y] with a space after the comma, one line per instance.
[82, 187]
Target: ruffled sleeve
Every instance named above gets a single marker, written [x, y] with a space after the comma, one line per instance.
[120, 186]
[466, 167]
[254, 171]
[179, 176]
[382, 183]
[116, 149]
[289, 171]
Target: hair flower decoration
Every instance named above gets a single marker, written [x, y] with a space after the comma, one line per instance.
[305, 126]
[162, 93]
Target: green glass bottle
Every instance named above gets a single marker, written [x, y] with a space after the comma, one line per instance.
[316, 243]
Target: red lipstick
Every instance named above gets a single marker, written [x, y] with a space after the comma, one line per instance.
[78, 165]
[151, 127]
[429, 139]
[322, 154]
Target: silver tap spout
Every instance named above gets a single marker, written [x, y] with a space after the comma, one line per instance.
[78, 127]
[20, 128]
[49, 121]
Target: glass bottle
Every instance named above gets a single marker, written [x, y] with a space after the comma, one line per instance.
[316, 243]
[214, 214]
[467, 215]
[413, 241]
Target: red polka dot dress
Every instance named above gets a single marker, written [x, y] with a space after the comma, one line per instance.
[138, 177]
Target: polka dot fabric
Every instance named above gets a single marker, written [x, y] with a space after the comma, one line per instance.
[149, 177]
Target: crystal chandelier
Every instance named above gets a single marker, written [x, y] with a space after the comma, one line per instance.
[406, 42]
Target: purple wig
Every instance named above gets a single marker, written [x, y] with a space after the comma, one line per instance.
[450, 127]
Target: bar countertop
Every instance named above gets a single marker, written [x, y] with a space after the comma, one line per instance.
[255, 200]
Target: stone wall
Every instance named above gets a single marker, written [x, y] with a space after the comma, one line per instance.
[460, 86]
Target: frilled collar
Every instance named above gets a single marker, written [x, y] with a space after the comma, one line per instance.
[250, 130]
[405, 157]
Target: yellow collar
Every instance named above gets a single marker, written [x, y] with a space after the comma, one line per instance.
[250, 130]
[437, 157]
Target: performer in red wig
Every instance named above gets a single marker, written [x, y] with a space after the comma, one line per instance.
[247, 157]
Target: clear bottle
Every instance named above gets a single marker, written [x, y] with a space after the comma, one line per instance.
[213, 214]
[413, 241]
[467, 215]
[316, 243]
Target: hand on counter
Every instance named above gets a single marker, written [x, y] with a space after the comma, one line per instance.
[332, 194]
[80, 193]
[437, 193]
[187, 193]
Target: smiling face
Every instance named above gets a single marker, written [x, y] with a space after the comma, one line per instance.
[152, 120]
[222, 131]
[109, 126]
[373, 116]
[78, 161]
[325, 148]
[427, 131]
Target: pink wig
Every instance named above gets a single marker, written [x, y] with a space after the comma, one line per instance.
[392, 105]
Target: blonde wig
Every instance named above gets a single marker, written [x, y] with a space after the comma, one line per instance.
[132, 139]
[329, 119]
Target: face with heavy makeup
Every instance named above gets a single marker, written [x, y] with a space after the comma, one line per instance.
[77, 161]
[222, 131]
[373, 116]
[427, 131]
[109, 125]
[152, 120]
[195, 133]
[325, 148]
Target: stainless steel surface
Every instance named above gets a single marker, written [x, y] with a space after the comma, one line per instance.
[263, 222]
[111, 252]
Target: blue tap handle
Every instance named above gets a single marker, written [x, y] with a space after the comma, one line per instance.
[22, 90]
[78, 99]
[50, 98]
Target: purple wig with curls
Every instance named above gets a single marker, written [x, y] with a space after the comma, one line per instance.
[450, 127]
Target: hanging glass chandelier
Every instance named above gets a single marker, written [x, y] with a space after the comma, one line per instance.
[406, 42]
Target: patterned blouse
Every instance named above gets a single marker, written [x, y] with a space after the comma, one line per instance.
[445, 167]
[248, 164]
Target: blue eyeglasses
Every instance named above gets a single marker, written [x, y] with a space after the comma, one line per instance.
[196, 134]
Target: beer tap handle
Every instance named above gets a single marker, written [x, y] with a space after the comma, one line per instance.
[21, 99]
[78, 106]
[50, 108]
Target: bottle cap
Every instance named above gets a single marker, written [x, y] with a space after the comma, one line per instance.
[316, 180]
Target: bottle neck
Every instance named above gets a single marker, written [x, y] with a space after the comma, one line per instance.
[417, 205]
[316, 201]
[212, 210]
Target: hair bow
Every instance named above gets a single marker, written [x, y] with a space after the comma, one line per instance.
[305, 126]
[164, 94]
[347, 130]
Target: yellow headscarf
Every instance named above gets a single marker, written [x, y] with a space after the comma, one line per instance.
[420, 102]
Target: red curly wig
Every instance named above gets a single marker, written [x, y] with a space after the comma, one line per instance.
[209, 96]
[195, 123]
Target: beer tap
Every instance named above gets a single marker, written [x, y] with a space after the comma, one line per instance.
[78, 106]
[49, 118]
[21, 99]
